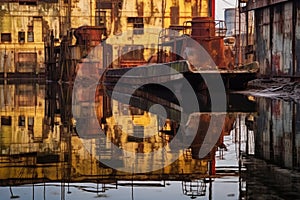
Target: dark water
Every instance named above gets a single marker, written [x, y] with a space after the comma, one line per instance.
[148, 148]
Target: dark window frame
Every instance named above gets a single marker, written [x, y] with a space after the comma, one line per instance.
[21, 37]
[4, 39]
[137, 23]
[30, 34]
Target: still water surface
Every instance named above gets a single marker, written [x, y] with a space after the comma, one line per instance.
[45, 156]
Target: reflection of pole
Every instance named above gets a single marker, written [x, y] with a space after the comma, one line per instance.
[132, 176]
[210, 189]
[132, 195]
[4, 64]
[240, 158]
[32, 191]
[5, 94]
[163, 7]
[12, 196]
[294, 146]
[247, 140]
[239, 38]
[44, 190]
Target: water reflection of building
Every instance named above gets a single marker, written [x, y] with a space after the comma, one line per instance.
[273, 163]
[49, 150]
[277, 131]
[60, 155]
[22, 111]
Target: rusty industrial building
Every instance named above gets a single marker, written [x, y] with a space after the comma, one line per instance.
[272, 39]
[26, 25]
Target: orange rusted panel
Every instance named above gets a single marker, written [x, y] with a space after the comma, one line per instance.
[205, 32]
[90, 35]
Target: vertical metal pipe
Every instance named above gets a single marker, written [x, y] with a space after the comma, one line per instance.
[239, 38]
[271, 15]
[247, 33]
[294, 146]
[271, 148]
[4, 63]
[240, 157]
[210, 197]
[163, 13]
[212, 8]
[294, 21]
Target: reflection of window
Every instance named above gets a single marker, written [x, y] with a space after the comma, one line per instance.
[28, 2]
[138, 131]
[5, 37]
[25, 95]
[30, 123]
[137, 23]
[5, 120]
[100, 18]
[136, 111]
[21, 36]
[174, 14]
[26, 61]
[50, 1]
[133, 52]
[104, 4]
[30, 35]
[21, 120]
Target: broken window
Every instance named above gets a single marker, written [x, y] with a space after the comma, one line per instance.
[30, 35]
[21, 36]
[5, 37]
[137, 23]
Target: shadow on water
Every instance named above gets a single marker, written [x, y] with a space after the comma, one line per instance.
[43, 155]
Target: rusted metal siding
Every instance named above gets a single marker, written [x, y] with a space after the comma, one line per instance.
[278, 39]
[263, 40]
[297, 40]
[282, 38]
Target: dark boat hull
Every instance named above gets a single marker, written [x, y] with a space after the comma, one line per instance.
[232, 79]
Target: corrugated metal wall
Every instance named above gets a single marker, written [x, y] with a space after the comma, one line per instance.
[278, 39]
[297, 40]
[263, 40]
